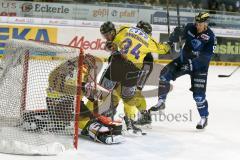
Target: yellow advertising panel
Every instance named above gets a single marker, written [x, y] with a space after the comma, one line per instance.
[47, 34]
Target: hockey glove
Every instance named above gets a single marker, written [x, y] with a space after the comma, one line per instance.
[107, 120]
[111, 46]
[175, 35]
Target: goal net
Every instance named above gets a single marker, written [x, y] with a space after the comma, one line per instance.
[40, 97]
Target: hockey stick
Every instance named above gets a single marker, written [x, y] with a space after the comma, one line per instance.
[180, 38]
[168, 20]
[178, 16]
[228, 75]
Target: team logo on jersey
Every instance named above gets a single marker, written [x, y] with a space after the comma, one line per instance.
[139, 32]
[205, 37]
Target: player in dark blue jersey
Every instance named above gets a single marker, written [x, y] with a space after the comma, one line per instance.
[194, 60]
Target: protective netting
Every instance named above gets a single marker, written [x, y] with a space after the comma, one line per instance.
[38, 97]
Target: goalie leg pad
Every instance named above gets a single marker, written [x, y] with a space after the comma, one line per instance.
[107, 134]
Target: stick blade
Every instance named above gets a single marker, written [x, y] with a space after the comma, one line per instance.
[223, 76]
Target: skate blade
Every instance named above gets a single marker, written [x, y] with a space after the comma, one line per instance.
[146, 126]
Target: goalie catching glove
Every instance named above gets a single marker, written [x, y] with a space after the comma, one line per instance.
[102, 129]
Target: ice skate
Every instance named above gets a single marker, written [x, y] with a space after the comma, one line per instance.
[202, 123]
[160, 106]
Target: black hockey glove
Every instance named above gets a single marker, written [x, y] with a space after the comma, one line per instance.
[176, 34]
[111, 46]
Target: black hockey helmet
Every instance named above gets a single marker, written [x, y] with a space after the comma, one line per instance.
[107, 27]
[145, 26]
[202, 17]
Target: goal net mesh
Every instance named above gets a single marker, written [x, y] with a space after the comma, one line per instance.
[38, 97]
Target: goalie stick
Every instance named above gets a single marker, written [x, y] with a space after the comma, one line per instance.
[228, 75]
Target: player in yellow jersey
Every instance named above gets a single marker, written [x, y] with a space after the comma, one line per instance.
[138, 102]
[129, 47]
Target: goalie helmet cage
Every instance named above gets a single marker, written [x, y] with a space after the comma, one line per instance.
[35, 117]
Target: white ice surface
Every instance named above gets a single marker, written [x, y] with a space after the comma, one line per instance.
[176, 140]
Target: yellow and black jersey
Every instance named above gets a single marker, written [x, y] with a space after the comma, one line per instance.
[135, 44]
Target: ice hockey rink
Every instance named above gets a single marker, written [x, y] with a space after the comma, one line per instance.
[171, 139]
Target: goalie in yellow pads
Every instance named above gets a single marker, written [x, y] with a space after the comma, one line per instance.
[60, 99]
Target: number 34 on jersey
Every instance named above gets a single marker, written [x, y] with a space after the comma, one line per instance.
[135, 44]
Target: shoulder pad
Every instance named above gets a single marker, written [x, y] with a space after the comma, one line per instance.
[122, 28]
